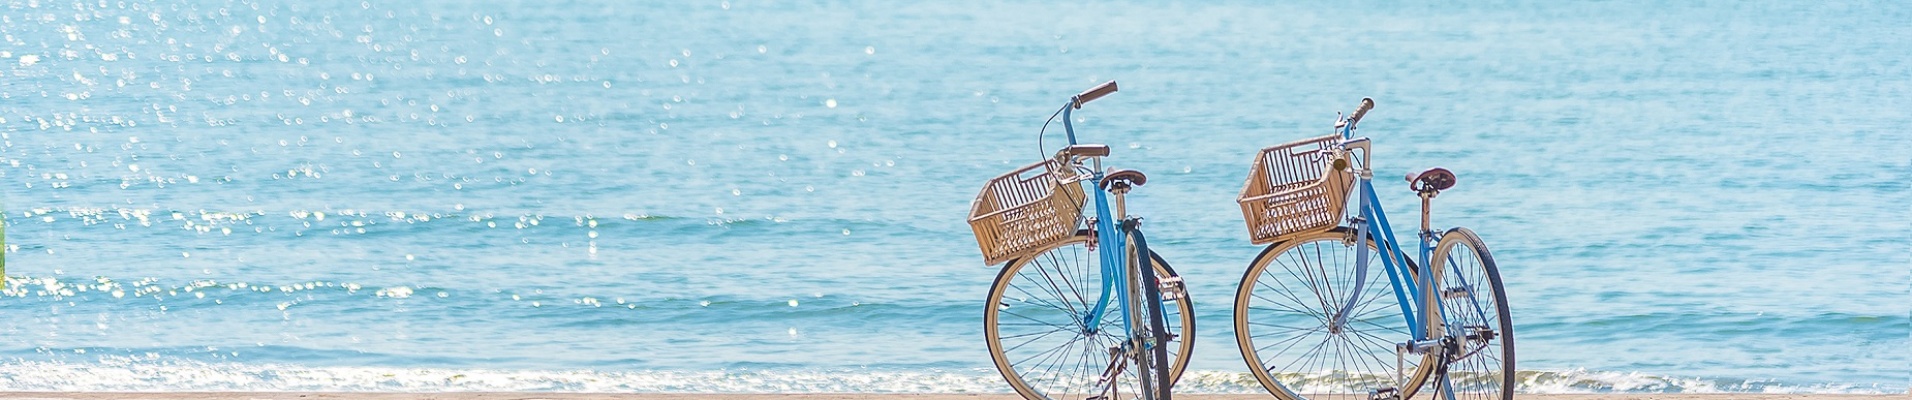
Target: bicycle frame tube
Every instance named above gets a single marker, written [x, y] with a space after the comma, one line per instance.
[1374, 224]
[1111, 242]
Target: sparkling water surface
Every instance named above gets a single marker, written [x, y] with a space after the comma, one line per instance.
[760, 196]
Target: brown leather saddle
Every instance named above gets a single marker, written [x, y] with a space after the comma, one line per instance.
[1431, 180]
[1128, 176]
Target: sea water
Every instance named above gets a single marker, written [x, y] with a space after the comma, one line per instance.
[744, 196]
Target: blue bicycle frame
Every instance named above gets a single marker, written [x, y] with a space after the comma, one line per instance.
[1373, 223]
[1373, 217]
[1111, 241]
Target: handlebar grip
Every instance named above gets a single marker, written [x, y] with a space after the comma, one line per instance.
[1085, 150]
[1366, 104]
[1094, 93]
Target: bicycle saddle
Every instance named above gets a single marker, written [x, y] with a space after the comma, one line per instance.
[1129, 176]
[1432, 179]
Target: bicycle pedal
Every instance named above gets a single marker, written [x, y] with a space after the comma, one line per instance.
[1172, 288]
[1457, 292]
[1384, 394]
[1115, 369]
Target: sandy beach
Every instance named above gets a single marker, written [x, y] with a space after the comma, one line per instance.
[720, 396]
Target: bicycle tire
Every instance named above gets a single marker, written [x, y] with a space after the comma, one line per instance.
[1484, 369]
[1360, 362]
[1064, 383]
[1157, 382]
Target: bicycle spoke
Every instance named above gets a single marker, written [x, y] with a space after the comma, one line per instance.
[1028, 298]
[1396, 329]
[1375, 342]
[1047, 353]
[1083, 278]
[1296, 301]
[1296, 339]
[1313, 355]
[1316, 285]
[1285, 328]
[1039, 336]
[1284, 307]
[1058, 291]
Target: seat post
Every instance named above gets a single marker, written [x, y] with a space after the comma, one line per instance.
[1429, 183]
[1427, 208]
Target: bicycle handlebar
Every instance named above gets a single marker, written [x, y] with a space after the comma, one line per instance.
[1366, 104]
[1093, 93]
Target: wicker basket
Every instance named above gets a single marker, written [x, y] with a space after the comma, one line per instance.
[1292, 190]
[1025, 210]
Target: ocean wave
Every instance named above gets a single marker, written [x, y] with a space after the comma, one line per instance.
[152, 374]
[1585, 381]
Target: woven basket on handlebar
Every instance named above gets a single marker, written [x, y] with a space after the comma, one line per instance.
[1025, 210]
[1293, 190]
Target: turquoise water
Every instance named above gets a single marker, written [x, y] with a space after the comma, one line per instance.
[745, 197]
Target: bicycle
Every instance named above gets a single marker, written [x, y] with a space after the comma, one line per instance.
[1312, 319]
[1077, 311]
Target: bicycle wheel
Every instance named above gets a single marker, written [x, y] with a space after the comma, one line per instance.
[1474, 304]
[1034, 325]
[1147, 302]
[1284, 313]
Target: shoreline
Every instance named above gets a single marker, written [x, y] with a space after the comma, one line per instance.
[823, 396]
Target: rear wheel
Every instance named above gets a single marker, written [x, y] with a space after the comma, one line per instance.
[1036, 335]
[1152, 356]
[1474, 304]
[1285, 310]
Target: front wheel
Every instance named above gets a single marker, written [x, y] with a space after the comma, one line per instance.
[1285, 321]
[1036, 335]
[1474, 305]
